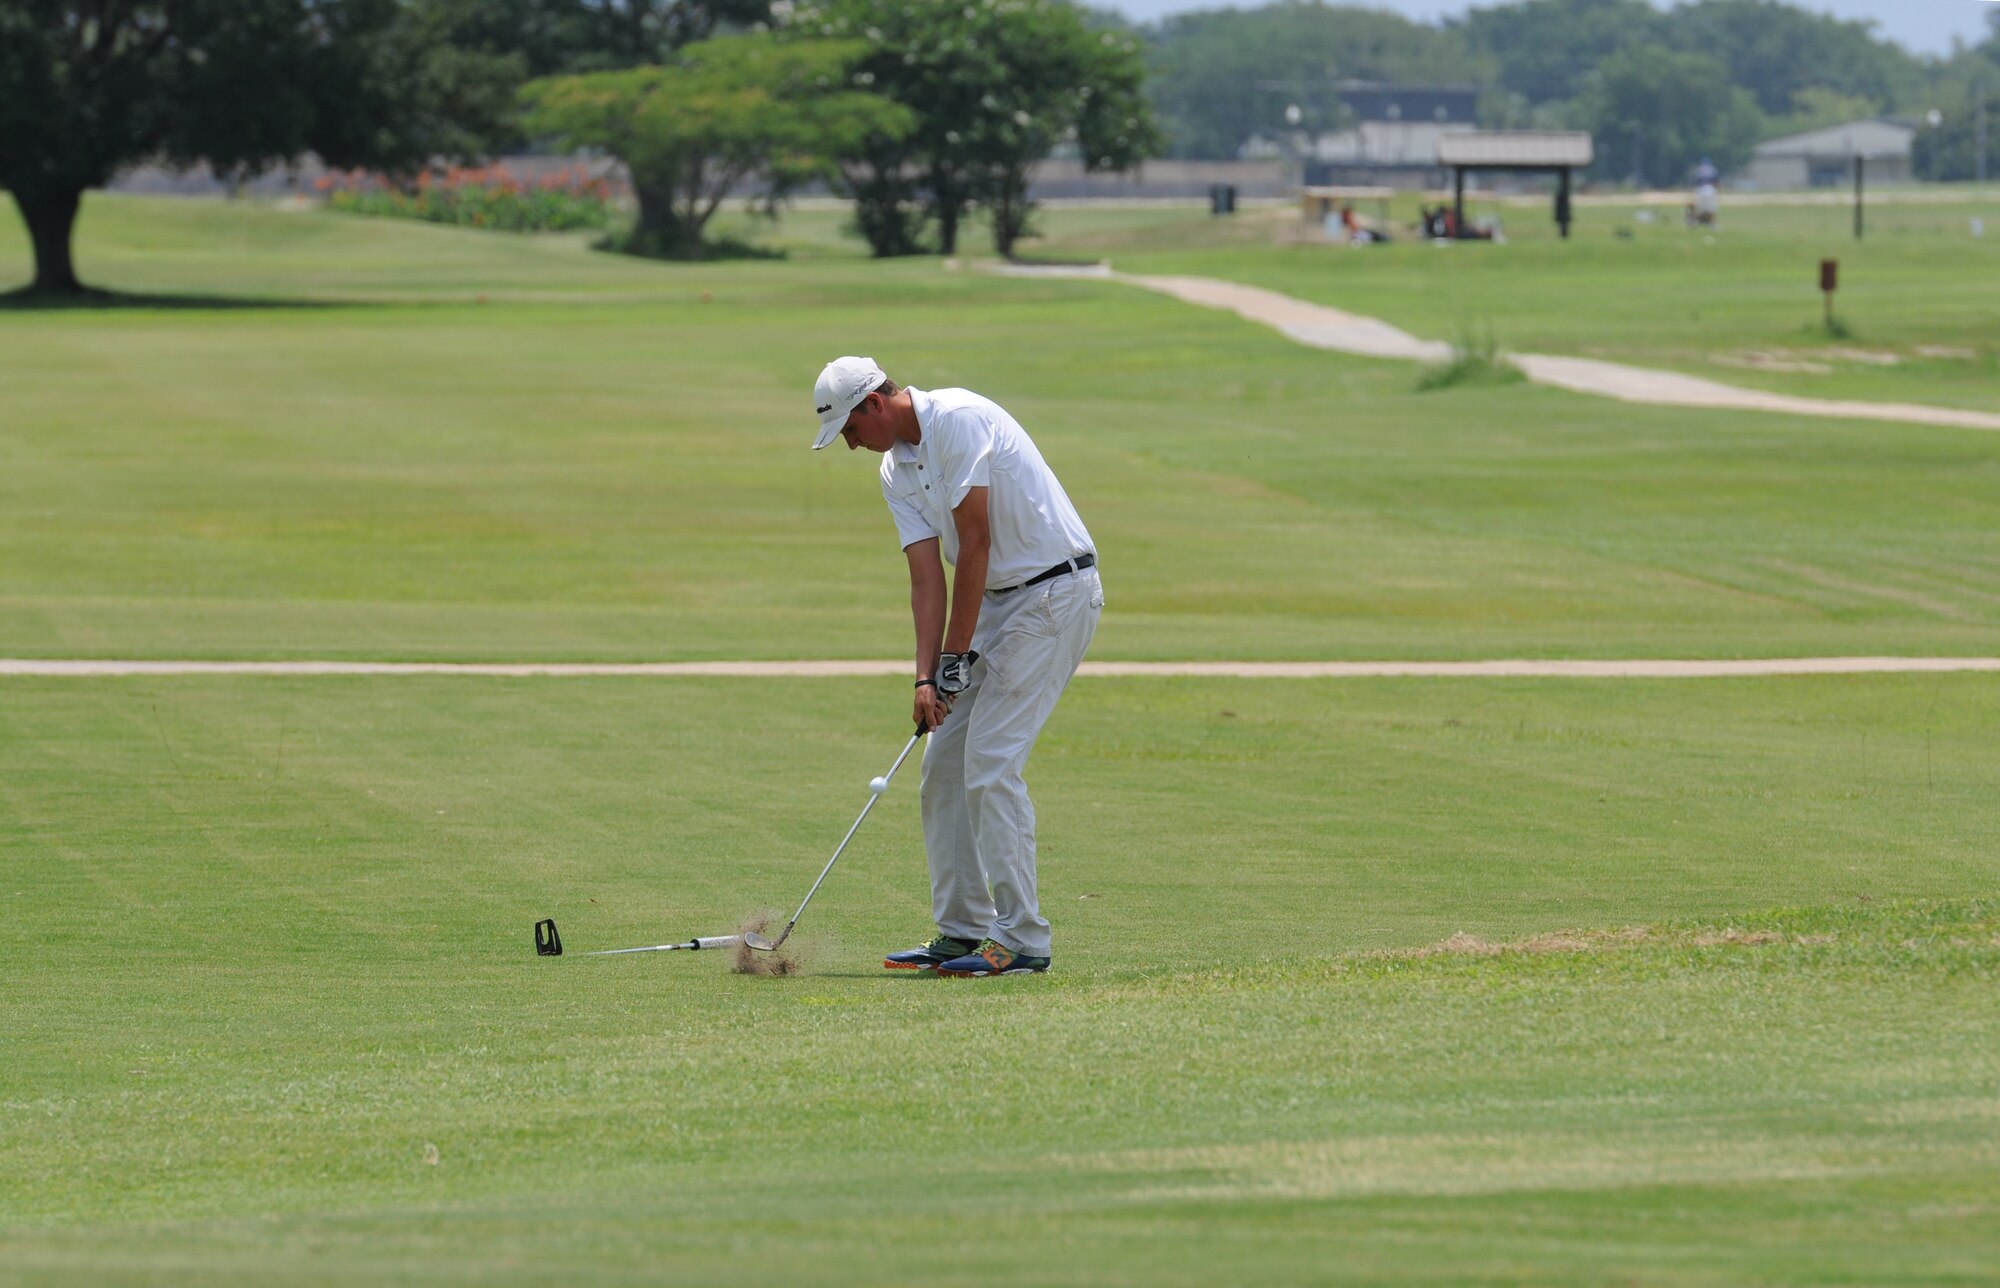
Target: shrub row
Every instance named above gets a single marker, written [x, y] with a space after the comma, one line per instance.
[483, 197]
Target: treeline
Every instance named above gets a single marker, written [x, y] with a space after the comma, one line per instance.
[1657, 89]
[921, 110]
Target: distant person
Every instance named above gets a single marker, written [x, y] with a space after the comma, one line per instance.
[1707, 202]
[1354, 231]
[965, 483]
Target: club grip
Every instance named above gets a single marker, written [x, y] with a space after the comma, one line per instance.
[717, 941]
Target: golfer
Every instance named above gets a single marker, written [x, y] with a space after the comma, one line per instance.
[965, 484]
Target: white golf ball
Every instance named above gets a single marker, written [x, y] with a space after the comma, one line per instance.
[878, 785]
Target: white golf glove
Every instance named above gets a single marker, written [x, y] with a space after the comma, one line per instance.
[955, 673]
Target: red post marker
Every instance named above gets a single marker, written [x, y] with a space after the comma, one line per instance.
[1829, 280]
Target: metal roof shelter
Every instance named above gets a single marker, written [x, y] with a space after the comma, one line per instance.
[1518, 150]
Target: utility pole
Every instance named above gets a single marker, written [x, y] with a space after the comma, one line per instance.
[1859, 164]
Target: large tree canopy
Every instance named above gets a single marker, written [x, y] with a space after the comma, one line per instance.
[88, 88]
[1544, 49]
[721, 111]
[1220, 76]
[1776, 52]
[1655, 114]
[565, 36]
[994, 87]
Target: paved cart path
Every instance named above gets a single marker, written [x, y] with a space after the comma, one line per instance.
[1328, 328]
[1673, 668]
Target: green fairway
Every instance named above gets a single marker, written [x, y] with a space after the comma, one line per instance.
[607, 460]
[270, 946]
[1418, 980]
[1741, 305]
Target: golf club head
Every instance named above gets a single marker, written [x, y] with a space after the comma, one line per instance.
[754, 940]
[547, 942]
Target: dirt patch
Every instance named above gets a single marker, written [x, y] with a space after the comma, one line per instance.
[1589, 941]
[748, 961]
[1732, 938]
[1762, 360]
[1943, 351]
[1867, 357]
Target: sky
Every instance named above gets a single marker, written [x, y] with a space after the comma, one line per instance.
[1923, 26]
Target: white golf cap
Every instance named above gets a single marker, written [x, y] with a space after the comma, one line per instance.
[842, 385]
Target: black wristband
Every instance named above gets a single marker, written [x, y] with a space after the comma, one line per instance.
[921, 683]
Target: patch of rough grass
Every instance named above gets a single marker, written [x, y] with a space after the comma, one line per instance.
[1475, 360]
[1905, 926]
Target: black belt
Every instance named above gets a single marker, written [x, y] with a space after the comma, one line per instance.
[1077, 564]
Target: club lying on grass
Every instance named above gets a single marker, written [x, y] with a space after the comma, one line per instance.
[876, 786]
[548, 943]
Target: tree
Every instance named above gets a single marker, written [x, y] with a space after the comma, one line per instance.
[1654, 113]
[1949, 151]
[88, 88]
[1056, 79]
[1219, 76]
[994, 86]
[561, 37]
[721, 111]
[1962, 89]
[1816, 107]
[1777, 52]
[1544, 49]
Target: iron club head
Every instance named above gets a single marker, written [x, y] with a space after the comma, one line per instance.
[759, 942]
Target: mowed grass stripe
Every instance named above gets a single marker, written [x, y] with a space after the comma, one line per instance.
[1637, 668]
[623, 478]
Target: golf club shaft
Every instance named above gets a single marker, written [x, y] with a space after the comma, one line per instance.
[714, 941]
[872, 798]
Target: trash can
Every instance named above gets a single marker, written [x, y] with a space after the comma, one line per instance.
[1222, 199]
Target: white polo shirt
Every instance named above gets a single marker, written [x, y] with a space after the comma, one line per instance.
[969, 442]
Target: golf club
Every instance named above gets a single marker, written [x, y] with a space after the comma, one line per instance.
[875, 789]
[548, 943]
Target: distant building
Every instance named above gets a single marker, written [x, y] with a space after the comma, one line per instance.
[1062, 178]
[1825, 157]
[1394, 140]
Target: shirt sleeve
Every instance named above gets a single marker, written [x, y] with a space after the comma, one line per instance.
[911, 525]
[966, 456]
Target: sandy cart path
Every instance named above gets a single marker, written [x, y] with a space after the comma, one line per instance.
[1329, 328]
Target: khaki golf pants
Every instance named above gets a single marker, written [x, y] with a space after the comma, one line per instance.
[979, 825]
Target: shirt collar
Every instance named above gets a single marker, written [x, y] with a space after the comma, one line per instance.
[907, 453]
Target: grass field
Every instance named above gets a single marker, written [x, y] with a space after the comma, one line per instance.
[599, 463]
[1392, 981]
[1741, 305]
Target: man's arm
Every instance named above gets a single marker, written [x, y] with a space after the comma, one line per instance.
[927, 611]
[968, 579]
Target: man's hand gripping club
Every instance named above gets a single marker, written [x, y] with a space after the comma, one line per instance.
[945, 657]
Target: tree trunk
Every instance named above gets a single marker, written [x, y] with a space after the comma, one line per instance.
[51, 219]
[882, 210]
[662, 230]
[949, 205]
[1011, 209]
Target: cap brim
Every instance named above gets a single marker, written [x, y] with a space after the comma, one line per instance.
[828, 431]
